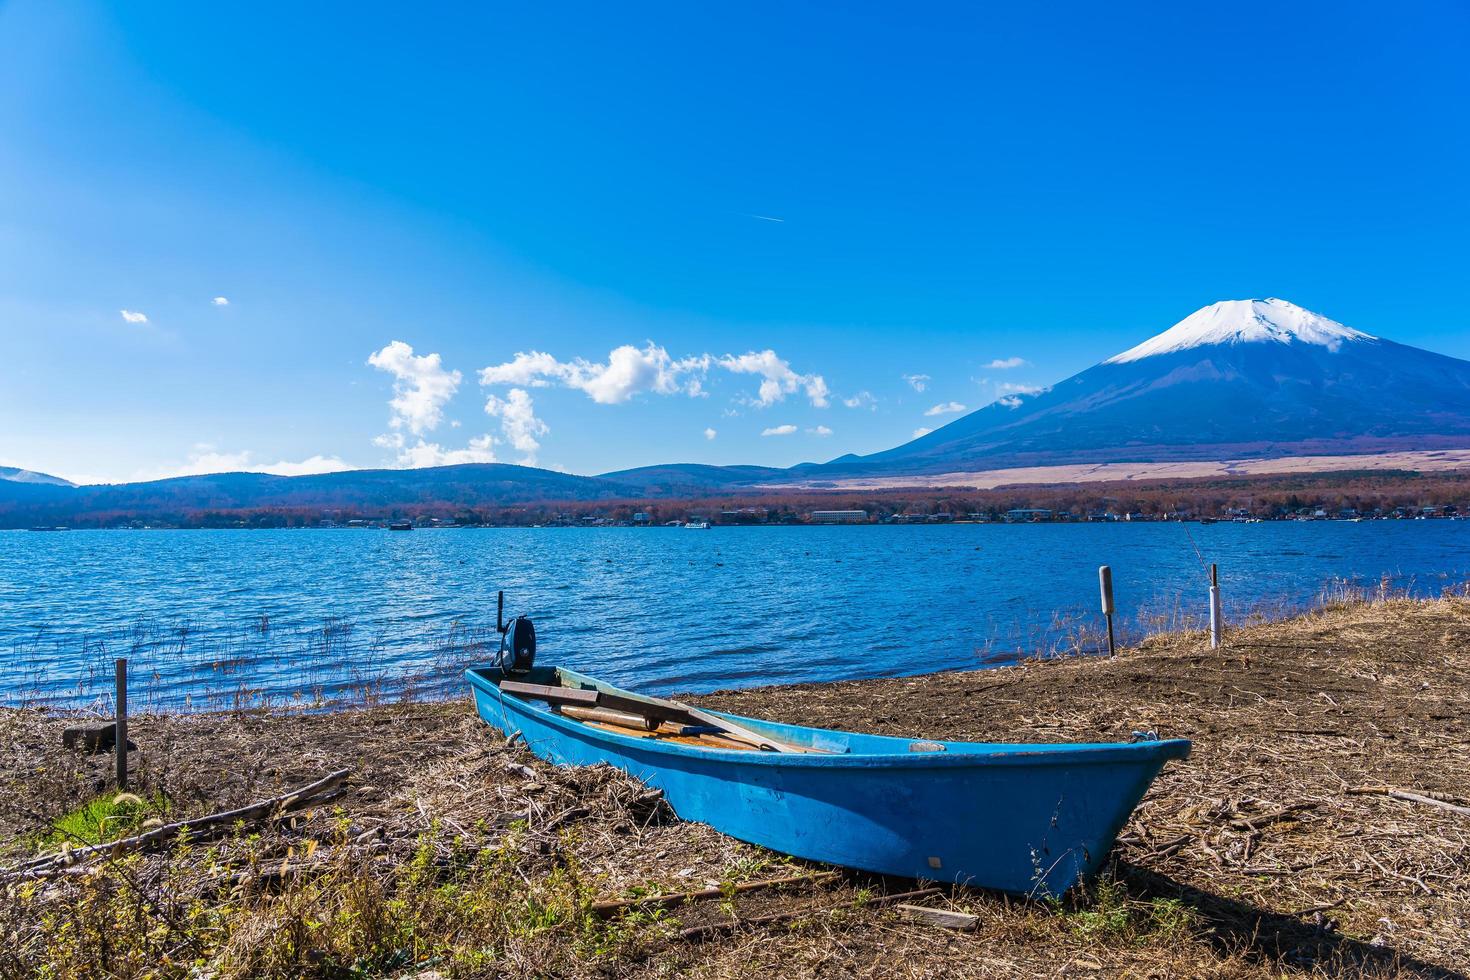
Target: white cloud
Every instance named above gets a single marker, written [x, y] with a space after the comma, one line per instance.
[779, 380]
[710, 433]
[630, 371]
[307, 467]
[1006, 363]
[421, 454]
[921, 432]
[863, 399]
[1012, 394]
[421, 387]
[524, 369]
[133, 316]
[945, 408]
[206, 459]
[821, 431]
[220, 301]
[779, 430]
[519, 422]
[917, 381]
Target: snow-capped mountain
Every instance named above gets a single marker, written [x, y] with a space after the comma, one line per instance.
[1238, 379]
[1245, 321]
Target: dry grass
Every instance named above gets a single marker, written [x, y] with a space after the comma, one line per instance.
[455, 852]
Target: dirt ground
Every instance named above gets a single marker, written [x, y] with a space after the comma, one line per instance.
[1273, 850]
[1431, 461]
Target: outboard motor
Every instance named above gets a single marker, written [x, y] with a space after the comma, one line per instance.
[517, 641]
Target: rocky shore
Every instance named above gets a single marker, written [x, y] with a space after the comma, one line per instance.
[1322, 827]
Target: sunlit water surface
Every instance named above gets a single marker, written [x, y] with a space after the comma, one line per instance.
[233, 618]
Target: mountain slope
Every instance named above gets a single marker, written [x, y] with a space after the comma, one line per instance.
[693, 478]
[1244, 378]
[15, 475]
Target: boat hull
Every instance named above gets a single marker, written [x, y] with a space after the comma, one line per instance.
[1025, 819]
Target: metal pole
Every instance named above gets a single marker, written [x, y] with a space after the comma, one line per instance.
[1105, 584]
[1217, 621]
[121, 728]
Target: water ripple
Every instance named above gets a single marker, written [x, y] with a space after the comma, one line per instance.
[234, 618]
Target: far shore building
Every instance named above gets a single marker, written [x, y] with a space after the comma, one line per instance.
[839, 517]
[745, 515]
[1028, 514]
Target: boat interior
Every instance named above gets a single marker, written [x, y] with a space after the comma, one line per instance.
[589, 702]
[598, 705]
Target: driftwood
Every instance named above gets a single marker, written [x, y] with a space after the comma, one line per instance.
[733, 925]
[611, 907]
[943, 918]
[213, 823]
[1409, 796]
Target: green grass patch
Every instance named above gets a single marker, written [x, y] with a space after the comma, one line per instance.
[106, 818]
[1113, 914]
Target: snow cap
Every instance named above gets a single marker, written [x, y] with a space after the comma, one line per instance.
[1245, 321]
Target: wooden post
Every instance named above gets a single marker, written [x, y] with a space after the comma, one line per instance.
[1216, 619]
[1105, 583]
[121, 730]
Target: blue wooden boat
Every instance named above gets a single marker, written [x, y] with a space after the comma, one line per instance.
[1031, 819]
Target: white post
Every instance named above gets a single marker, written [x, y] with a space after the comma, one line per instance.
[1217, 620]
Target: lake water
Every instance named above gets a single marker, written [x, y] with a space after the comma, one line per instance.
[227, 618]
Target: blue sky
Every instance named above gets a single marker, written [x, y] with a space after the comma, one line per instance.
[956, 186]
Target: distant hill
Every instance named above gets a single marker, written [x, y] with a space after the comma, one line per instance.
[1244, 379]
[374, 491]
[679, 479]
[15, 475]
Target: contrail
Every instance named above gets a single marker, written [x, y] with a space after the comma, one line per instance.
[766, 217]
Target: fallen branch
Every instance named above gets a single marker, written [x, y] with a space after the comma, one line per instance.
[1318, 909]
[733, 925]
[1266, 819]
[575, 813]
[214, 822]
[1410, 796]
[610, 907]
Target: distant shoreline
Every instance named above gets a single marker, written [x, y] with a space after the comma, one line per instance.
[464, 498]
[778, 524]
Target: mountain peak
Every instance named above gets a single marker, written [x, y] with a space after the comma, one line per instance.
[1241, 321]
